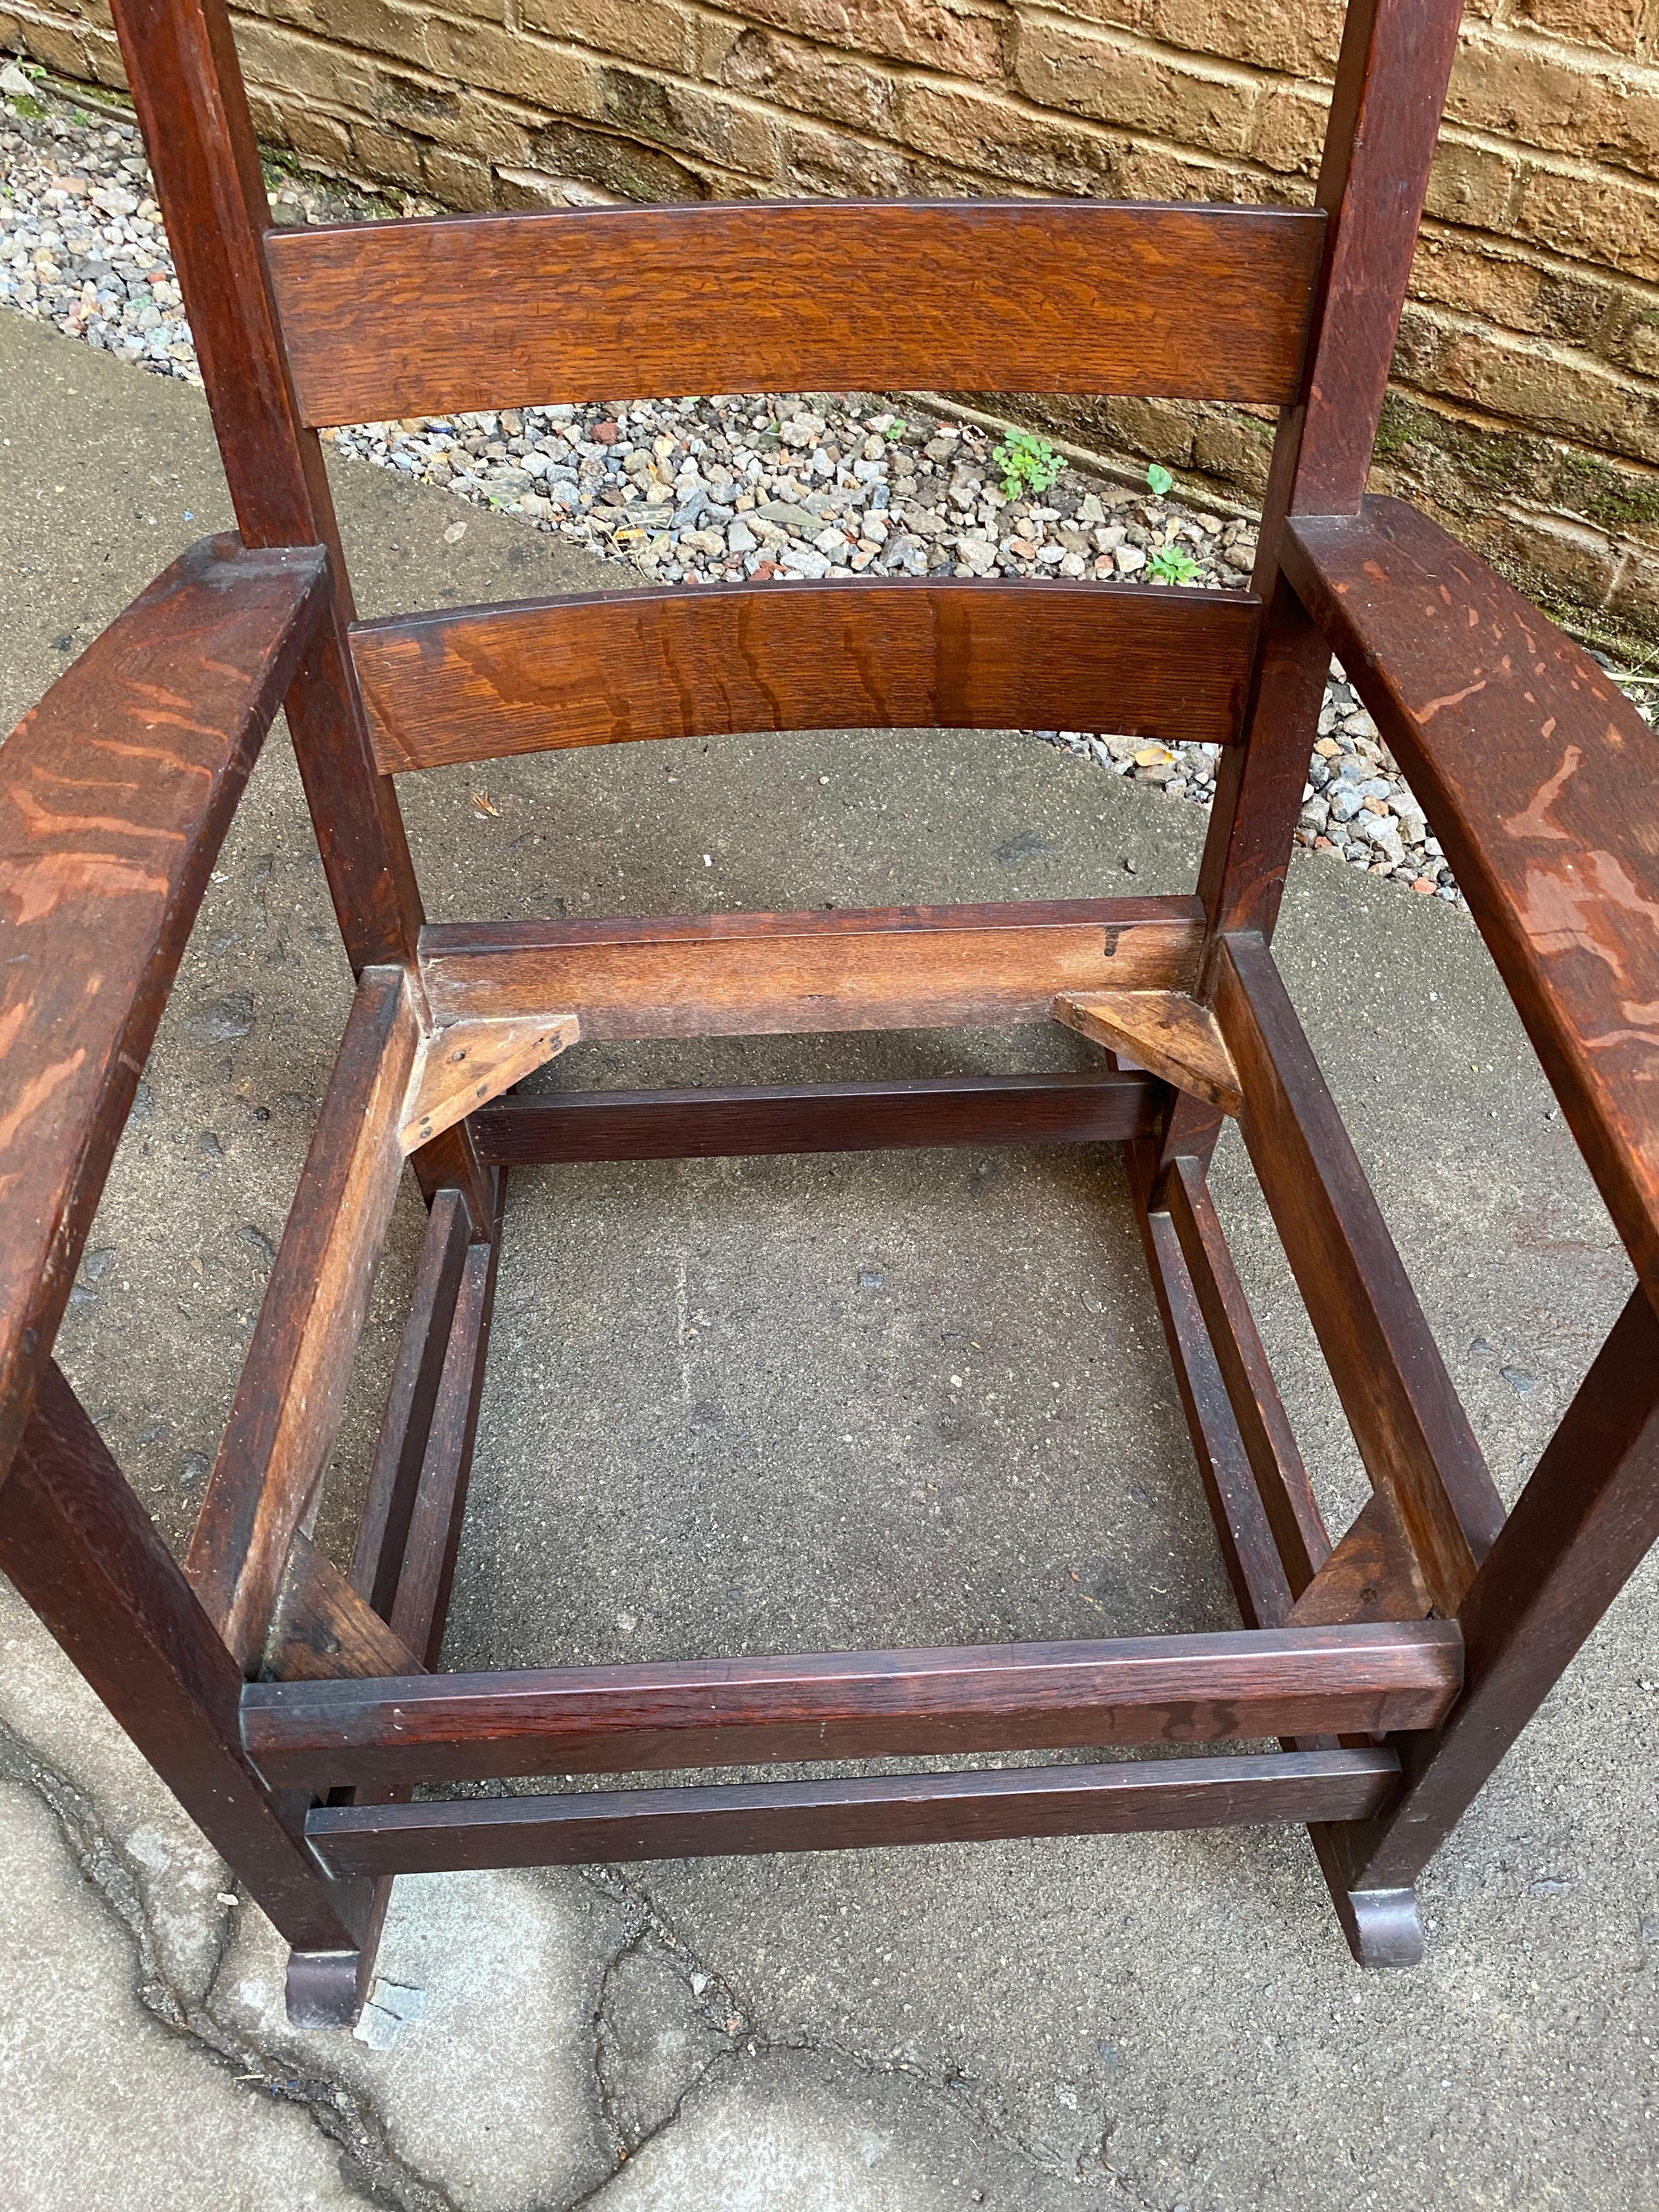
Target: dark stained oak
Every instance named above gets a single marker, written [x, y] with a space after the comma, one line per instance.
[898, 652]
[1281, 1478]
[817, 1118]
[186, 85]
[115, 792]
[432, 317]
[320, 1627]
[290, 1396]
[400, 1447]
[1537, 778]
[852, 1705]
[421, 1604]
[747, 975]
[589, 1827]
[1243, 1530]
[1411, 1431]
[1536, 774]
[1587, 1518]
[1371, 1575]
[1391, 76]
[79, 1549]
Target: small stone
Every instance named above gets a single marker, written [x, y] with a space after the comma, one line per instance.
[1129, 560]
[740, 538]
[225, 1019]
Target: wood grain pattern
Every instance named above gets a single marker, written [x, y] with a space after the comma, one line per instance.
[1372, 1574]
[1391, 76]
[595, 1828]
[1536, 774]
[1168, 1031]
[1412, 1432]
[461, 1067]
[899, 653]
[115, 792]
[83, 1553]
[400, 1447]
[1276, 1463]
[855, 1704]
[747, 975]
[290, 1395]
[181, 66]
[427, 318]
[818, 1117]
[321, 1628]
[1588, 1517]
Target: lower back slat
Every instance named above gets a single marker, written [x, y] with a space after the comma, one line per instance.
[475, 683]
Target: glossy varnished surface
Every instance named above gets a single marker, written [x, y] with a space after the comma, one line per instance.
[1539, 777]
[903, 652]
[819, 1117]
[583, 1828]
[115, 792]
[429, 317]
[853, 1704]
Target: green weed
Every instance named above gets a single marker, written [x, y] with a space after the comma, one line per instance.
[1029, 464]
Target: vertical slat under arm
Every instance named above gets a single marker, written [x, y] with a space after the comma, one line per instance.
[187, 87]
[383, 1532]
[83, 1552]
[1578, 1531]
[1249, 1549]
[421, 1605]
[1275, 1459]
[1411, 1431]
[290, 1395]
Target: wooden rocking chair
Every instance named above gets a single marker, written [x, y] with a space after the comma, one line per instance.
[296, 1711]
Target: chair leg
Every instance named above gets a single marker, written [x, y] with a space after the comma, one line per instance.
[1383, 1927]
[329, 1988]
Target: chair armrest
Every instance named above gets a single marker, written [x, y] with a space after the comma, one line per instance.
[1541, 781]
[115, 793]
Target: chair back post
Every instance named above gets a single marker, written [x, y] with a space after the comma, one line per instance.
[1390, 87]
[187, 87]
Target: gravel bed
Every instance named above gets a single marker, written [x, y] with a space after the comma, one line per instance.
[701, 491]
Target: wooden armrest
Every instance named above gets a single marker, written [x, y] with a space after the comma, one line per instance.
[115, 792]
[1541, 781]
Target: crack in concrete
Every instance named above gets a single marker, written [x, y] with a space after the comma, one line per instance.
[367, 2163]
[734, 2018]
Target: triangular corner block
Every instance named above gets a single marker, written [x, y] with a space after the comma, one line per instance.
[1166, 1031]
[464, 1065]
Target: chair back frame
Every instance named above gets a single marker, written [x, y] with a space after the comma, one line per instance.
[295, 1708]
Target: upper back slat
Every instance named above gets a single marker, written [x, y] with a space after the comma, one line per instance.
[460, 312]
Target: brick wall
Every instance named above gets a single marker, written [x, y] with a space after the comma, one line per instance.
[1526, 399]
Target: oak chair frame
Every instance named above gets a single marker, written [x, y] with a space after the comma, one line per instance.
[295, 1709]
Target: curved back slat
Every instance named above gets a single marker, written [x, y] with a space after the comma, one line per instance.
[457, 313]
[602, 668]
